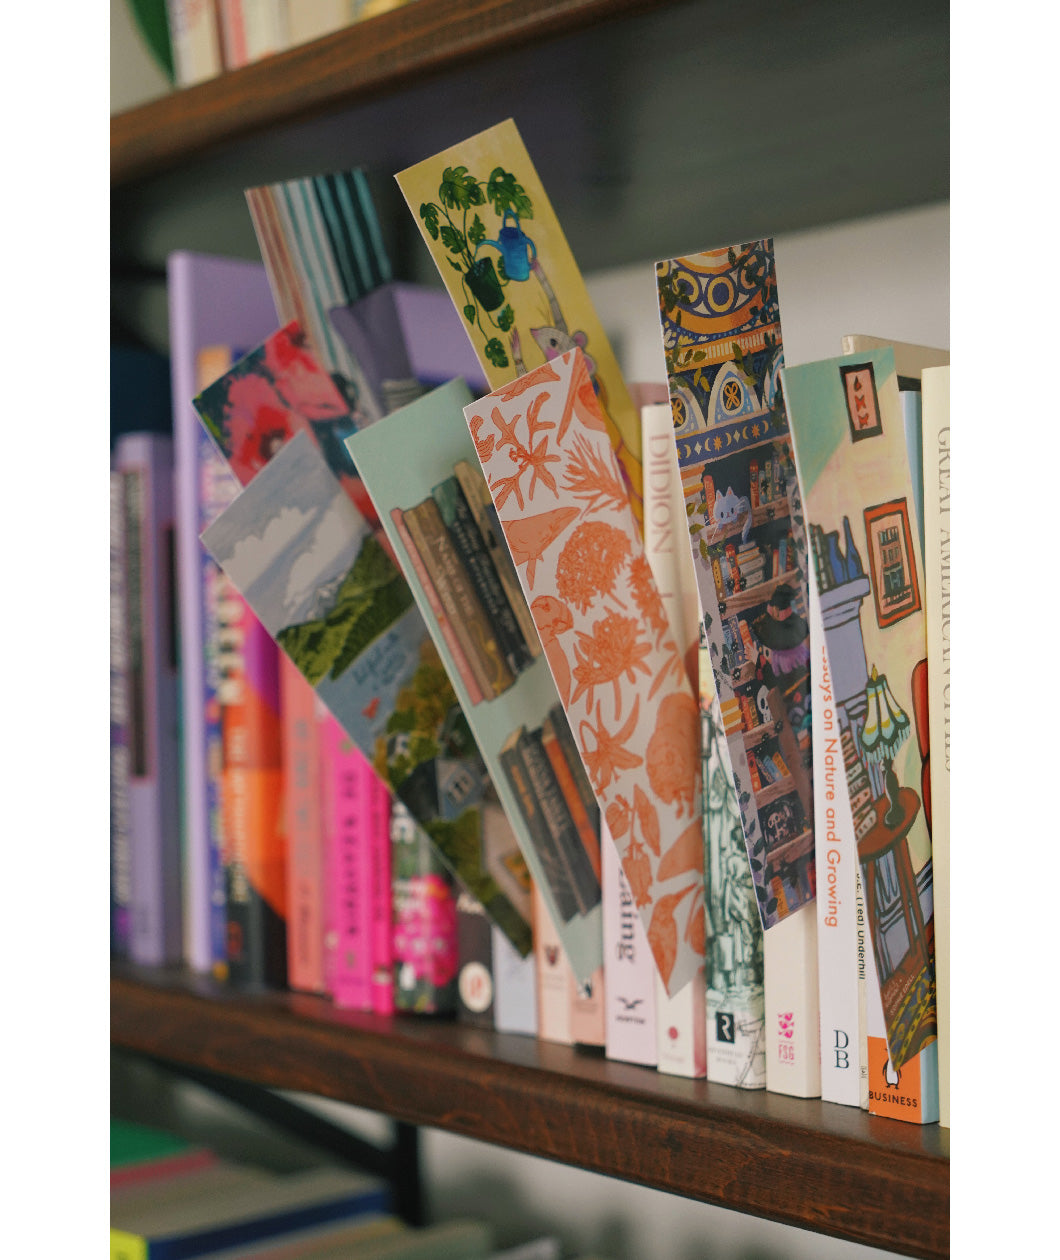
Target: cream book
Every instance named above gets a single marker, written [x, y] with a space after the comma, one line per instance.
[554, 975]
[793, 1034]
[936, 391]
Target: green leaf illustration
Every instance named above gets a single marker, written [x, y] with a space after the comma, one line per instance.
[459, 190]
[429, 215]
[494, 351]
[505, 318]
[505, 194]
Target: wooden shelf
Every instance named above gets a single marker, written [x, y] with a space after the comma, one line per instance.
[361, 61]
[802, 1162]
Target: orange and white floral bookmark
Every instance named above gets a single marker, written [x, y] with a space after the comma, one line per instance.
[566, 514]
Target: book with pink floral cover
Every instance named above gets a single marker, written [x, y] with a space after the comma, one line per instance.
[566, 515]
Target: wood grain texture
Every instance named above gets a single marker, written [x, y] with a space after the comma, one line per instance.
[366, 59]
[817, 1165]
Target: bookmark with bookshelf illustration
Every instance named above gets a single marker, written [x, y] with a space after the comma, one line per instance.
[543, 444]
[495, 239]
[722, 340]
[275, 395]
[847, 427]
[428, 503]
[327, 589]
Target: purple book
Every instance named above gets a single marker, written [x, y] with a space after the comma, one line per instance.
[145, 462]
[213, 302]
[405, 332]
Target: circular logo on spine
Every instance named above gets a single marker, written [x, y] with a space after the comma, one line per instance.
[476, 987]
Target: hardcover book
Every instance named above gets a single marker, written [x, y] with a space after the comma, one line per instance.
[535, 831]
[424, 916]
[936, 397]
[722, 340]
[629, 970]
[214, 304]
[735, 966]
[322, 245]
[145, 462]
[120, 891]
[578, 548]
[328, 591]
[793, 1030]
[474, 985]
[499, 248]
[381, 876]
[850, 450]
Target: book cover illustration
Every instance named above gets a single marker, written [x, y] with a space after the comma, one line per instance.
[722, 341]
[322, 246]
[562, 501]
[501, 252]
[539, 838]
[849, 437]
[328, 591]
[735, 959]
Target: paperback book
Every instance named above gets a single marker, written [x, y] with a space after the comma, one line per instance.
[579, 551]
[629, 970]
[722, 339]
[120, 889]
[538, 825]
[499, 248]
[850, 449]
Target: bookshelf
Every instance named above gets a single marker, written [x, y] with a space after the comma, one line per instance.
[797, 117]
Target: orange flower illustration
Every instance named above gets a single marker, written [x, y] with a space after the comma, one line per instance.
[553, 618]
[610, 754]
[590, 563]
[646, 595]
[672, 757]
[612, 650]
[536, 458]
[618, 814]
[522, 383]
[637, 869]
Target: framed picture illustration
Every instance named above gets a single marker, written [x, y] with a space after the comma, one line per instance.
[863, 404]
[894, 581]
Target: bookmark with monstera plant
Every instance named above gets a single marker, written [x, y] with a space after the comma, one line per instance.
[722, 339]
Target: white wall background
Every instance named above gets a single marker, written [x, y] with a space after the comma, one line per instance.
[888, 276]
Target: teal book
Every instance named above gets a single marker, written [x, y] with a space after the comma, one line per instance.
[412, 456]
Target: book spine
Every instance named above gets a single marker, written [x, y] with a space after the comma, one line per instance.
[567, 775]
[793, 1031]
[120, 890]
[629, 973]
[456, 514]
[265, 27]
[146, 464]
[458, 597]
[842, 1073]
[347, 787]
[437, 609]
[514, 987]
[233, 34]
[588, 1009]
[936, 463]
[426, 956]
[578, 871]
[195, 36]
[305, 834]
[554, 974]
[382, 939]
[681, 1028]
[252, 805]
[479, 500]
[474, 946]
[734, 957]
[213, 489]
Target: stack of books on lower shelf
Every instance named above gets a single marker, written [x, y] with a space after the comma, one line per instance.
[586, 711]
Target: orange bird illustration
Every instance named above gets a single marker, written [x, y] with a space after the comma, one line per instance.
[529, 536]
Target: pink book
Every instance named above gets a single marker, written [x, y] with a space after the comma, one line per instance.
[347, 782]
[382, 930]
[554, 975]
[587, 1010]
[305, 833]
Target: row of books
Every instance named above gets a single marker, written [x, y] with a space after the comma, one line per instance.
[208, 37]
[720, 866]
[172, 1197]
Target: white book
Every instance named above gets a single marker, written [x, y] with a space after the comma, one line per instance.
[936, 424]
[630, 978]
[681, 1044]
[840, 996]
[195, 37]
[514, 987]
[554, 975]
[793, 1031]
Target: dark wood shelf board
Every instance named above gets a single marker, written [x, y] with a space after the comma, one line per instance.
[363, 60]
[800, 1162]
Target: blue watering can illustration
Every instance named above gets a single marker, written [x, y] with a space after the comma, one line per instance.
[512, 242]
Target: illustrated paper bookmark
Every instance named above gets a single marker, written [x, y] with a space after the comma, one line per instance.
[502, 255]
[848, 429]
[562, 502]
[721, 336]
